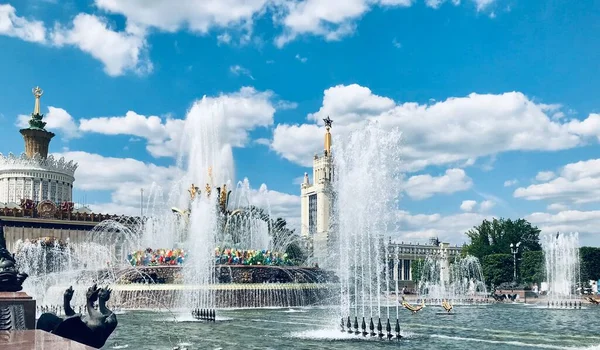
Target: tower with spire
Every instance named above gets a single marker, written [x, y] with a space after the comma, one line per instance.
[316, 199]
[37, 138]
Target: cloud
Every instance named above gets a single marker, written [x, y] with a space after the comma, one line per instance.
[585, 222]
[123, 178]
[425, 186]
[278, 204]
[195, 16]
[127, 50]
[328, 19]
[118, 51]
[486, 205]
[483, 4]
[545, 176]
[20, 27]
[510, 183]
[242, 111]
[396, 43]
[468, 205]
[239, 70]
[557, 207]
[471, 205]
[57, 119]
[576, 183]
[301, 59]
[163, 135]
[450, 228]
[459, 129]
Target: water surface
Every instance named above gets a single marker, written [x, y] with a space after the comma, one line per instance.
[500, 326]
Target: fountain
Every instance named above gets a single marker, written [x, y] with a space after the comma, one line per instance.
[561, 254]
[366, 190]
[456, 281]
[197, 218]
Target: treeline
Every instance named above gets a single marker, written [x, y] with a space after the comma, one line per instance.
[491, 241]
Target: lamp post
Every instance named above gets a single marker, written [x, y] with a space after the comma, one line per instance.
[514, 249]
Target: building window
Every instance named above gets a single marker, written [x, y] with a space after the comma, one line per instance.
[312, 214]
[406, 268]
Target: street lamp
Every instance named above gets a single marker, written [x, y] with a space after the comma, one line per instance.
[514, 249]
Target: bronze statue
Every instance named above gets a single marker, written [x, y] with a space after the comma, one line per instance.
[11, 280]
[193, 191]
[92, 329]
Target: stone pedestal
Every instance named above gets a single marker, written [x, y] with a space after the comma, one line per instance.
[36, 339]
[19, 308]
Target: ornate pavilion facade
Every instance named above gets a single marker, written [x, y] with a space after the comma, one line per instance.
[36, 190]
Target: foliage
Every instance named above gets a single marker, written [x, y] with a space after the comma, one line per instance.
[497, 268]
[531, 267]
[416, 269]
[590, 263]
[496, 236]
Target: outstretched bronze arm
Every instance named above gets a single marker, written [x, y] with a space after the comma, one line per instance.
[67, 302]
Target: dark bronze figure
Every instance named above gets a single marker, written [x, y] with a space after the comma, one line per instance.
[92, 329]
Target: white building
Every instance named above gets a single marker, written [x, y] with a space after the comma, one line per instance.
[34, 175]
[316, 200]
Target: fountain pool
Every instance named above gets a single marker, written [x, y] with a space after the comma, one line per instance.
[493, 327]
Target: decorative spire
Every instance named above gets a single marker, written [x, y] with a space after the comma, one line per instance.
[36, 117]
[328, 123]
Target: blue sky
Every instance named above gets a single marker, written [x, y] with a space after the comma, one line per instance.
[497, 99]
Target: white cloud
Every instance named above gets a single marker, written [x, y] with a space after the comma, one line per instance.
[586, 222]
[510, 183]
[278, 204]
[124, 177]
[121, 177]
[486, 205]
[396, 43]
[163, 136]
[197, 16]
[450, 228]
[239, 70]
[545, 176]
[483, 4]
[425, 186]
[242, 111]
[576, 183]
[456, 130]
[557, 207]
[468, 205]
[471, 205]
[224, 38]
[328, 19]
[20, 27]
[301, 59]
[57, 119]
[118, 51]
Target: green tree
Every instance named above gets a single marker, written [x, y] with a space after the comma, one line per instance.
[496, 236]
[590, 263]
[531, 267]
[497, 268]
[416, 269]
